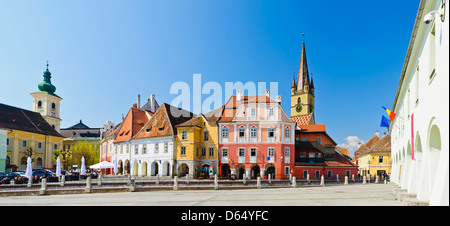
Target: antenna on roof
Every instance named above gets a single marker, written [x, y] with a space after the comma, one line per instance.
[47, 64]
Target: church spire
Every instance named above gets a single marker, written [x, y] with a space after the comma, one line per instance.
[46, 85]
[303, 75]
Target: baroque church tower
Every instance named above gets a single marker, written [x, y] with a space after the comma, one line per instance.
[46, 102]
[302, 93]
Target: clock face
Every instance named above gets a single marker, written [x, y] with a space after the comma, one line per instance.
[298, 107]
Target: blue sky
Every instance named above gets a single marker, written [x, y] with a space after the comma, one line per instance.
[103, 53]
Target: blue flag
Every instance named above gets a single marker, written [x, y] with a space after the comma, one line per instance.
[384, 121]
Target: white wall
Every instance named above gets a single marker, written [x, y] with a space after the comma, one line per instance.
[427, 175]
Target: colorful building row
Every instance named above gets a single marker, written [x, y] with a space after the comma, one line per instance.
[250, 135]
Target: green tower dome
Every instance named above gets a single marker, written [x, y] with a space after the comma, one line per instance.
[46, 85]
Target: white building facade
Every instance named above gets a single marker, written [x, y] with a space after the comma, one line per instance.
[152, 156]
[420, 131]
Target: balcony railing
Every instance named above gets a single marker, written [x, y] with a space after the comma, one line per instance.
[310, 160]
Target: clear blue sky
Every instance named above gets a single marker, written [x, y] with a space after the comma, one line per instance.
[103, 53]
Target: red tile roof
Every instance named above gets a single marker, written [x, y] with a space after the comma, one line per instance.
[164, 121]
[302, 119]
[133, 122]
[312, 128]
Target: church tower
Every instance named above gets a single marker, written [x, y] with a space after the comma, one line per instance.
[302, 91]
[46, 102]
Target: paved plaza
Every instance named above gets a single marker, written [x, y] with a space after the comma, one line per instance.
[340, 195]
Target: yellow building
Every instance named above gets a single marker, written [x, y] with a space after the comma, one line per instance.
[197, 146]
[28, 133]
[376, 160]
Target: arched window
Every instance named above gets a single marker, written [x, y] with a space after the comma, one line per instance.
[39, 104]
[53, 106]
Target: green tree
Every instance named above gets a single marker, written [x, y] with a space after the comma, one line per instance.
[90, 152]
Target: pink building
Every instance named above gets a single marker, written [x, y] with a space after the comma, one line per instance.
[256, 138]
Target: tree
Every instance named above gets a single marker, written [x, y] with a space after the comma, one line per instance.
[90, 152]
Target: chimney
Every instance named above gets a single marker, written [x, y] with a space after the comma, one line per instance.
[279, 99]
[139, 101]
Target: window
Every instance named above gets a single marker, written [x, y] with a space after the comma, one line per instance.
[305, 173]
[317, 173]
[198, 151]
[39, 104]
[287, 152]
[136, 149]
[24, 143]
[271, 112]
[241, 132]
[319, 155]
[156, 148]
[302, 154]
[115, 150]
[271, 152]
[7, 141]
[211, 151]
[319, 140]
[312, 155]
[225, 152]
[39, 145]
[206, 136]
[287, 133]
[330, 174]
[55, 146]
[241, 152]
[166, 147]
[380, 159]
[253, 112]
[183, 151]
[203, 151]
[184, 135]
[128, 149]
[53, 106]
[225, 132]
[304, 139]
[286, 170]
[252, 152]
[144, 149]
[253, 132]
[121, 149]
[271, 132]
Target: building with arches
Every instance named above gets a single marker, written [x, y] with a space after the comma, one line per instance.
[256, 137]
[420, 131]
[153, 146]
[197, 146]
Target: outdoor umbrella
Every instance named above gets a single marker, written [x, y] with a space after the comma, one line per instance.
[115, 165]
[83, 168]
[102, 165]
[29, 170]
[58, 167]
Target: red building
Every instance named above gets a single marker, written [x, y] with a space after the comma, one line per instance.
[256, 138]
[316, 154]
